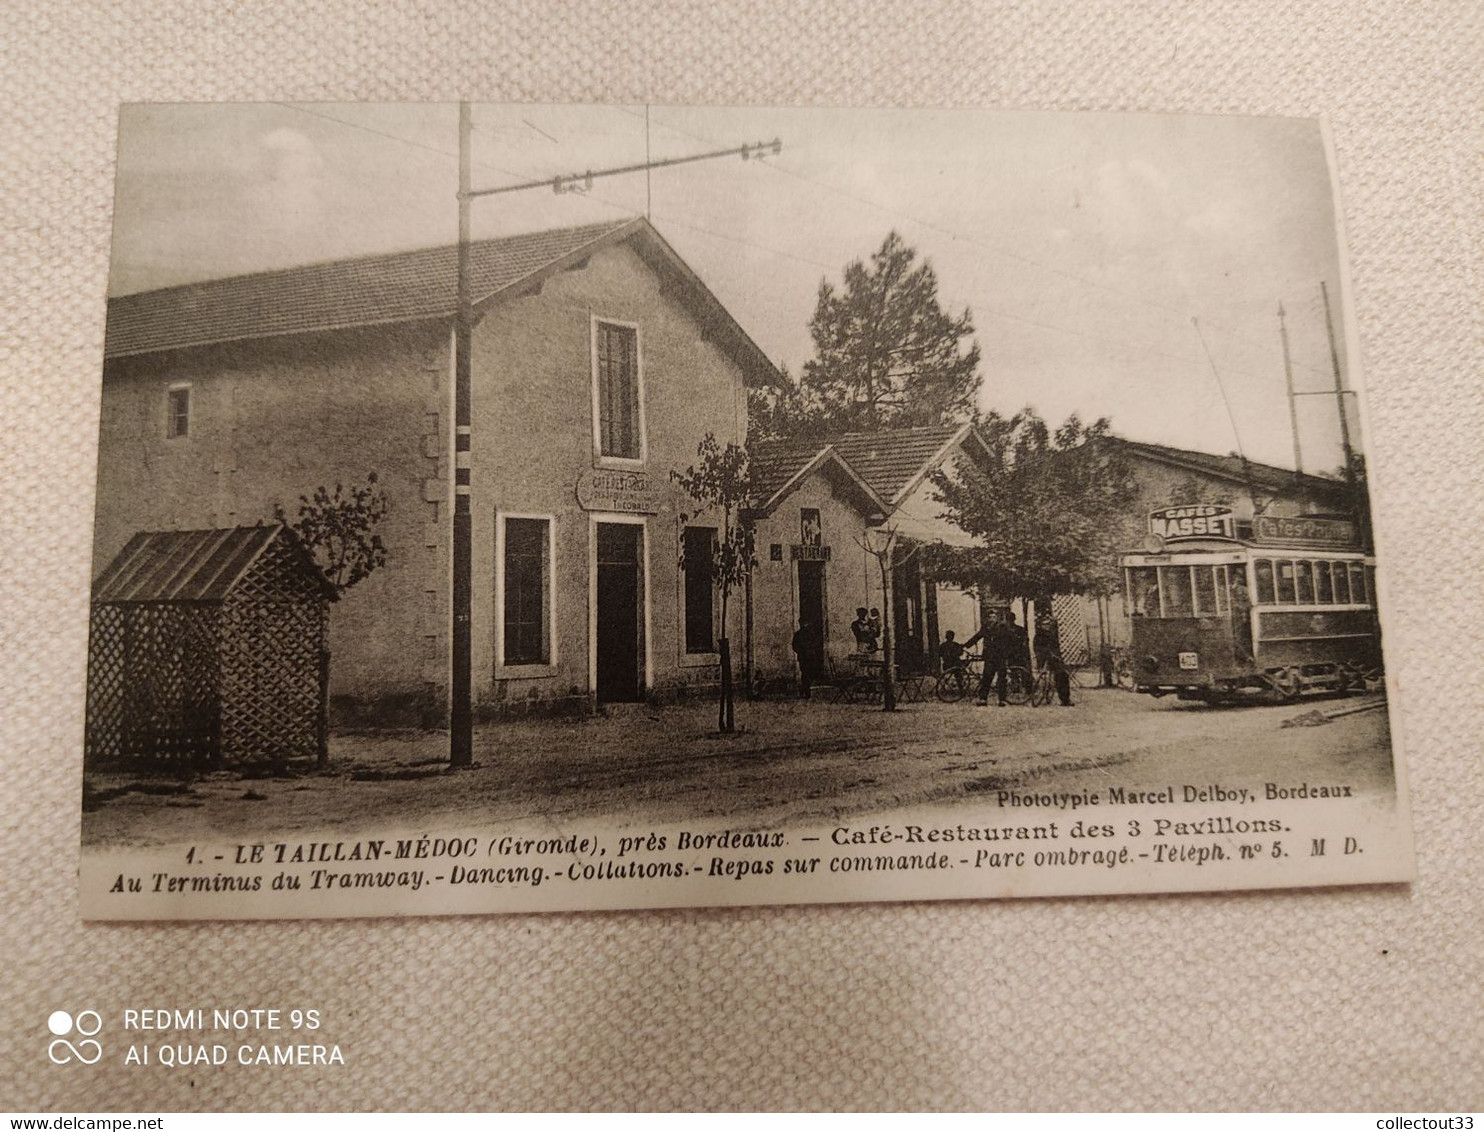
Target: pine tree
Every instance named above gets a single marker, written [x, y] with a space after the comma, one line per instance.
[886, 354]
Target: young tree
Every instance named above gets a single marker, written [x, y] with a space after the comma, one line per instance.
[1048, 507]
[339, 530]
[720, 482]
[885, 351]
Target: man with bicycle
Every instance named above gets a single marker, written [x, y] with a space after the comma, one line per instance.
[1047, 643]
[999, 637]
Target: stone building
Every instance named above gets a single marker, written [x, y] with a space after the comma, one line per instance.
[599, 362]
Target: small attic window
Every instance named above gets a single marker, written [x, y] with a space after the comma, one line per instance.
[178, 411]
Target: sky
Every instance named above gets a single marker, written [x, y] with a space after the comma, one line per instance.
[1128, 266]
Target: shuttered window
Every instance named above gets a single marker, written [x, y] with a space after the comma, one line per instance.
[527, 574]
[700, 589]
[618, 391]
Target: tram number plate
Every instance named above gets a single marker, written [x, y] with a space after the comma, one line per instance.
[1189, 660]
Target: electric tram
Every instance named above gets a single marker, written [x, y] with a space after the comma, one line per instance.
[1222, 609]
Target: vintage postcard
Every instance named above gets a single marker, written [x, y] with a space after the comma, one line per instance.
[519, 508]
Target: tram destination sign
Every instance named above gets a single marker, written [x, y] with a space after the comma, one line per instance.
[1306, 530]
[1197, 520]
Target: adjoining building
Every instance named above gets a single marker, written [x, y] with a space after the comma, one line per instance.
[600, 360]
[822, 512]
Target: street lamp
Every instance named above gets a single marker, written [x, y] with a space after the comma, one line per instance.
[880, 542]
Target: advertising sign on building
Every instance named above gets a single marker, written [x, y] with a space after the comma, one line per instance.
[1269, 530]
[1199, 520]
[606, 490]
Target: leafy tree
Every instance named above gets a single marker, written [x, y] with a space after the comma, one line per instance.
[720, 482]
[886, 354]
[1049, 508]
[339, 529]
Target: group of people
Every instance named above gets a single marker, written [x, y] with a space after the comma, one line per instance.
[808, 645]
[1005, 648]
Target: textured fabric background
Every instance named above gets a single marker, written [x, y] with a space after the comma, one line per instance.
[1365, 999]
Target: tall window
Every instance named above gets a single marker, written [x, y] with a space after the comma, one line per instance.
[178, 412]
[618, 391]
[700, 589]
[527, 588]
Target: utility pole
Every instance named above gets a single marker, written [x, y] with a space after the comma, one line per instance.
[1340, 391]
[1298, 456]
[461, 710]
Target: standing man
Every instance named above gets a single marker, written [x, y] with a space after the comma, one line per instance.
[1241, 603]
[806, 649]
[1048, 652]
[998, 647]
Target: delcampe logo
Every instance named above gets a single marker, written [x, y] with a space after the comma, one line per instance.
[63, 1050]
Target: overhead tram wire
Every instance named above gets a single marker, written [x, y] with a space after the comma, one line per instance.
[1230, 330]
[672, 219]
[392, 137]
[1230, 416]
[1115, 343]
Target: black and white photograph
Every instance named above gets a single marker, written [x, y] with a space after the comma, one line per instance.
[541, 507]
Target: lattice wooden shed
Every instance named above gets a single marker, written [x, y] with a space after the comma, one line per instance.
[209, 648]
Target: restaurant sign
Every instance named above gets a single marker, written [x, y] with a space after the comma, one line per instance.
[603, 489]
[1305, 530]
[806, 552]
[1197, 520]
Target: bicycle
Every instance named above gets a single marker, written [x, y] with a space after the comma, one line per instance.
[1044, 689]
[954, 683]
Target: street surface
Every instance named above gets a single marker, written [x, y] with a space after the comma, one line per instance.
[792, 764]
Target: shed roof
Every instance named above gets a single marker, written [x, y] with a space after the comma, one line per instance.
[193, 566]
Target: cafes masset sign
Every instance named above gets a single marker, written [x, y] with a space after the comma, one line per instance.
[1197, 520]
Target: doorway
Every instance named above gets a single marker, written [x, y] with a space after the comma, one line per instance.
[620, 613]
[811, 605]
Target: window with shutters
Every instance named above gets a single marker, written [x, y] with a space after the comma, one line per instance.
[178, 412]
[617, 391]
[525, 600]
[700, 589]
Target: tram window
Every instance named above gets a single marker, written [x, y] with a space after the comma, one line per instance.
[1303, 582]
[1323, 587]
[1223, 605]
[1205, 589]
[1342, 583]
[1143, 583]
[1285, 583]
[1265, 592]
[1357, 583]
[1174, 584]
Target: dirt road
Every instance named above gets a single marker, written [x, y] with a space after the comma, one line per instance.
[795, 763]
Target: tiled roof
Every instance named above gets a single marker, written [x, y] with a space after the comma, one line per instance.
[890, 459]
[400, 287]
[195, 566]
[774, 462]
[1268, 477]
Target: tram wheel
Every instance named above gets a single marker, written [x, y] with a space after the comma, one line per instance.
[1288, 683]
